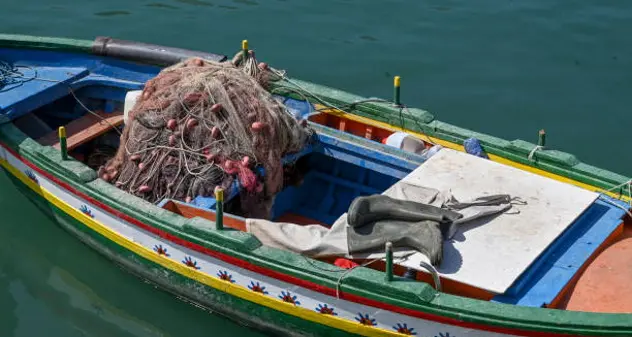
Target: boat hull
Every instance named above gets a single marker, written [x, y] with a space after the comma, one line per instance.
[208, 298]
[246, 297]
[274, 290]
[233, 290]
[237, 309]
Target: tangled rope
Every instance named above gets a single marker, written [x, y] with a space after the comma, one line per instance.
[285, 84]
[201, 124]
[11, 76]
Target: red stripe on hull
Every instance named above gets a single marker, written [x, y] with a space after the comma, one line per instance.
[278, 275]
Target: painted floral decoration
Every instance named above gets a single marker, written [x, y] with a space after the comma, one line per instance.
[365, 319]
[325, 310]
[286, 296]
[189, 262]
[256, 287]
[447, 334]
[403, 328]
[31, 176]
[225, 276]
[85, 210]
[161, 250]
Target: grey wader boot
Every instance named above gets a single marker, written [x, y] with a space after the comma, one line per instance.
[377, 219]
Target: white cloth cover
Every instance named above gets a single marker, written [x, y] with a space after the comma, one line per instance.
[317, 240]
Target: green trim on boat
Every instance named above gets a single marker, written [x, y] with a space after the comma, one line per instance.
[417, 120]
[241, 310]
[50, 43]
[361, 281]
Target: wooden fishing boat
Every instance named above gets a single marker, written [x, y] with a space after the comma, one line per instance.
[558, 267]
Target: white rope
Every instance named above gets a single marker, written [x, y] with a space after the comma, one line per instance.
[303, 92]
[535, 149]
[339, 282]
[628, 184]
[627, 210]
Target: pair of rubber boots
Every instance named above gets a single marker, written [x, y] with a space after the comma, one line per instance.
[376, 219]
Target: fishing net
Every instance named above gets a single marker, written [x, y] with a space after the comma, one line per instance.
[199, 125]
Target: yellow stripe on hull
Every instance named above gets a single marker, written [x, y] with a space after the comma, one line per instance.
[216, 283]
[459, 147]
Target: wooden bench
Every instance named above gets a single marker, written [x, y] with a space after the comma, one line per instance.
[84, 129]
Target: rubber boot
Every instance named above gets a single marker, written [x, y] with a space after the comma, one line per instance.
[365, 210]
[423, 236]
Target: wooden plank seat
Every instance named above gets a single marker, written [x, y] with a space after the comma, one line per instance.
[84, 129]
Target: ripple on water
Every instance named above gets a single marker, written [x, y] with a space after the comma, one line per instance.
[246, 2]
[197, 3]
[161, 5]
[368, 38]
[112, 13]
[441, 8]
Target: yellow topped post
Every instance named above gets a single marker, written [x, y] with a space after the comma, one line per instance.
[62, 143]
[244, 49]
[396, 94]
[219, 208]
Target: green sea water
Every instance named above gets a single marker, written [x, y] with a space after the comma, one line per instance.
[507, 68]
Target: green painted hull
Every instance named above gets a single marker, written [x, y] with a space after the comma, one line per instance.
[361, 282]
[239, 310]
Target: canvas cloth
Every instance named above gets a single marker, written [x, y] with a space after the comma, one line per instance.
[318, 241]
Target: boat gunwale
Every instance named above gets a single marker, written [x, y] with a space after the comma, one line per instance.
[587, 176]
[345, 295]
[443, 305]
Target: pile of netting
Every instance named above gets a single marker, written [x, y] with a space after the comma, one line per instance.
[199, 125]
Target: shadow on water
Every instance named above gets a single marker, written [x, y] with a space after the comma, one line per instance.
[51, 284]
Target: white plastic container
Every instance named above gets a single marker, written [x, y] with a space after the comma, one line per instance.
[130, 100]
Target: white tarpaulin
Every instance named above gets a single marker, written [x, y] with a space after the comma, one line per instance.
[492, 253]
[489, 252]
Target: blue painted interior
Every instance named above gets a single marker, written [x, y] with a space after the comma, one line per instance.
[329, 187]
[31, 93]
[50, 75]
[551, 272]
[210, 202]
[340, 166]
